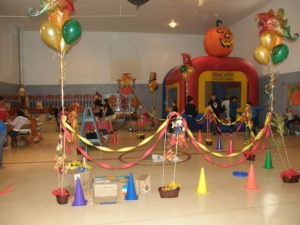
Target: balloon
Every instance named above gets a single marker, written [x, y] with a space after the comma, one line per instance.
[63, 47]
[278, 41]
[50, 34]
[280, 53]
[268, 39]
[191, 70]
[58, 17]
[183, 68]
[71, 31]
[262, 54]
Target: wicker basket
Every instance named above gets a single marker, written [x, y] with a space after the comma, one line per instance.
[293, 179]
[209, 143]
[62, 199]
[169, 193]
[251, 157]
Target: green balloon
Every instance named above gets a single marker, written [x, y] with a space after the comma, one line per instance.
[71, 31]
[280, 53]
[183, 68]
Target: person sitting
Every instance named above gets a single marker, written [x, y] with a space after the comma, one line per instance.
[108, 112]
[17, 124]
[191, 113]
[291, 118]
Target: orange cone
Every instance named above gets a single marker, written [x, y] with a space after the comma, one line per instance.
[251, 183]
[230, 148]
[200, 136]
[114, 137]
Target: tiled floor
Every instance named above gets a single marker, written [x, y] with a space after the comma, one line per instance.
[30, 172]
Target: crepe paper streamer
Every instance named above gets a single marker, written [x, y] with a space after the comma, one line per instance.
[288, 173]
[125, 149]
[240, 174]
[6, 190]
[127, 165]
[203, 147]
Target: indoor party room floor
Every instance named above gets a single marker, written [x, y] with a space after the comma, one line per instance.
[30, 172]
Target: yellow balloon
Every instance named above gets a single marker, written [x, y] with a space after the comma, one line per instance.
[63, 47]
[268, 39]
[51, 34]
[262, 54]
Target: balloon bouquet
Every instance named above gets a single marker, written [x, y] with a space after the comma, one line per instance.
[60, 33]
[152, 87]
[274, 30]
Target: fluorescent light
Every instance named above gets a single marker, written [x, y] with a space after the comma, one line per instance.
[173, 24]
[201, 3]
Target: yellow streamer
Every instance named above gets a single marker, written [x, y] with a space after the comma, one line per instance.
[125, 149]
[258, 137]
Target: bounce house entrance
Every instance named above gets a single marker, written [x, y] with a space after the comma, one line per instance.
[222, 90]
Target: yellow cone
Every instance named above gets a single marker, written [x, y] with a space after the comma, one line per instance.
[202, 189]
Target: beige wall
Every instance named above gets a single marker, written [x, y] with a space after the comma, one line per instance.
[9, 53]
[246, 36]
[91, 60]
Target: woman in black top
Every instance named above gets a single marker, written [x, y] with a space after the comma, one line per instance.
[98, 105]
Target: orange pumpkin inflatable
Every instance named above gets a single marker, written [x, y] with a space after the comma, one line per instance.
[218, 41]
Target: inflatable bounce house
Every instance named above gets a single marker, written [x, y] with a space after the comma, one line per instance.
[217, 73]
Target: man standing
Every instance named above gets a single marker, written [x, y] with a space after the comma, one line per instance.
[215, 104]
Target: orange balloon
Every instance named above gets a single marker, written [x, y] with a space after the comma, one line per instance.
[279, 41]
[59, 17]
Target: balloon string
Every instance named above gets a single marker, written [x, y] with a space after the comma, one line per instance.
[175, 163]
[62, 75]
[163, 167]
[278, 150]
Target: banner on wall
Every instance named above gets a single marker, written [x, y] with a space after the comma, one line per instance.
[294, 94]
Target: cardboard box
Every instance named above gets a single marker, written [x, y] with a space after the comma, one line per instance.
[143, 184]
[124, 180]
[107, 191]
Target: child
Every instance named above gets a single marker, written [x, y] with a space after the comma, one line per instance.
[234, 105]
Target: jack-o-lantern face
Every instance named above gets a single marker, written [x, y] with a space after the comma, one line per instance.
[218, 41]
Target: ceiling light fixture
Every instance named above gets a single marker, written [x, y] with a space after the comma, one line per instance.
[173, 24]
[201, 3]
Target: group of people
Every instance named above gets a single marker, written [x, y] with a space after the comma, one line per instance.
[10, 128]
[227, 106]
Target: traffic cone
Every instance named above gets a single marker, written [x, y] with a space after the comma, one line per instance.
[230, 148]
[114, 137]
[200, 136]
[131, 194]
[202, 188]
[219, 144]
[79, 199]
[251, 183]
[268, 162]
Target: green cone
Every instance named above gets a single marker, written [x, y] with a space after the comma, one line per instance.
[86, 149]
[268, 162]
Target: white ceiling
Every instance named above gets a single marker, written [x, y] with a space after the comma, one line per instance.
[152, 17]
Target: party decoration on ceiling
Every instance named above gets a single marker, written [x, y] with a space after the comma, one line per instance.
[187, 68]
[152, 84]
[138, 3]
[218, 41]
[60, 33]
[126, 84]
